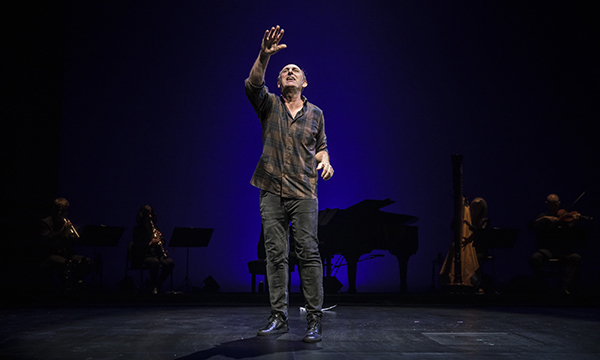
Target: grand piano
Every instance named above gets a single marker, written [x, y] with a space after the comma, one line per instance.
[362, 228]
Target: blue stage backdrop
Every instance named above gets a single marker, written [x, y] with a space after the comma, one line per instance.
[154, 112]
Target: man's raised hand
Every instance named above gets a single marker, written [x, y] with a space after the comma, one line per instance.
[270, 43]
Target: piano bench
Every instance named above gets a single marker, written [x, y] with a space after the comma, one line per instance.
[257, 267]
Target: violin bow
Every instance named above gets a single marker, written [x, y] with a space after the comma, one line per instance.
[576, 200]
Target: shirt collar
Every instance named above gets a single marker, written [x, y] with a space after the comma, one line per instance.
[304, 99]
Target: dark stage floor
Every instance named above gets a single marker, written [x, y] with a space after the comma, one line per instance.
[367, 326]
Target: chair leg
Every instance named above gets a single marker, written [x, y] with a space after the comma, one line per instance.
[253, 283]
[142, 288]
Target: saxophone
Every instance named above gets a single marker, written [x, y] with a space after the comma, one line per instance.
[160, 245]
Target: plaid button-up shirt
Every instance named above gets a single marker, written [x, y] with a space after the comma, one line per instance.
[287, 166]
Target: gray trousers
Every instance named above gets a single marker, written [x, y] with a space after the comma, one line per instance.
[277, 213]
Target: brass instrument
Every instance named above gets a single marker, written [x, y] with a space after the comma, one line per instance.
[72, 231]
[156, 234]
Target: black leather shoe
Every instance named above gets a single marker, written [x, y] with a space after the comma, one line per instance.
[313, 331]
[278, 324]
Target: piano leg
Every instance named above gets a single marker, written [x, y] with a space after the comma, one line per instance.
[327, 266]
[402, 266]
[351, 263]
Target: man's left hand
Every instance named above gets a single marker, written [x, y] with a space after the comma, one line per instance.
[327, 170]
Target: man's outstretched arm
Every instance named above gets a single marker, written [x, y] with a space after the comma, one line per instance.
[270, 45]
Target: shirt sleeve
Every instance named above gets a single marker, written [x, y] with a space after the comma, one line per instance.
[258, 97]
[321, 137]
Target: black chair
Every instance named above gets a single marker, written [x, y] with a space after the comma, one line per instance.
[555, 268]
[259, 267]
[560, 240]
[135, 265]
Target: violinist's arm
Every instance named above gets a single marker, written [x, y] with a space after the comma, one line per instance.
[544, 220]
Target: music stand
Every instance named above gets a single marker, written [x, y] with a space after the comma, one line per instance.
[190, 237]
[496, 238]
[100, 235]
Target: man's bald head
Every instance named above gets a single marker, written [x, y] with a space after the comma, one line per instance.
[553, 202]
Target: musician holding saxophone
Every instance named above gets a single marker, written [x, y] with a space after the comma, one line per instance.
[148, 249]
[58, 236]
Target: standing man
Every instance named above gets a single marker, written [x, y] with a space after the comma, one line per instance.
[294, 149]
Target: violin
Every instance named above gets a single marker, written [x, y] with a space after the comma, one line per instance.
[568, 216]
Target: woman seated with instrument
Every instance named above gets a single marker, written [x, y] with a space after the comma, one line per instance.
[148, 248]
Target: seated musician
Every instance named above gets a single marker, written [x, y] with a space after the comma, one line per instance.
[58, 236]
[148, 248]
[479, 221]
[553, 244]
